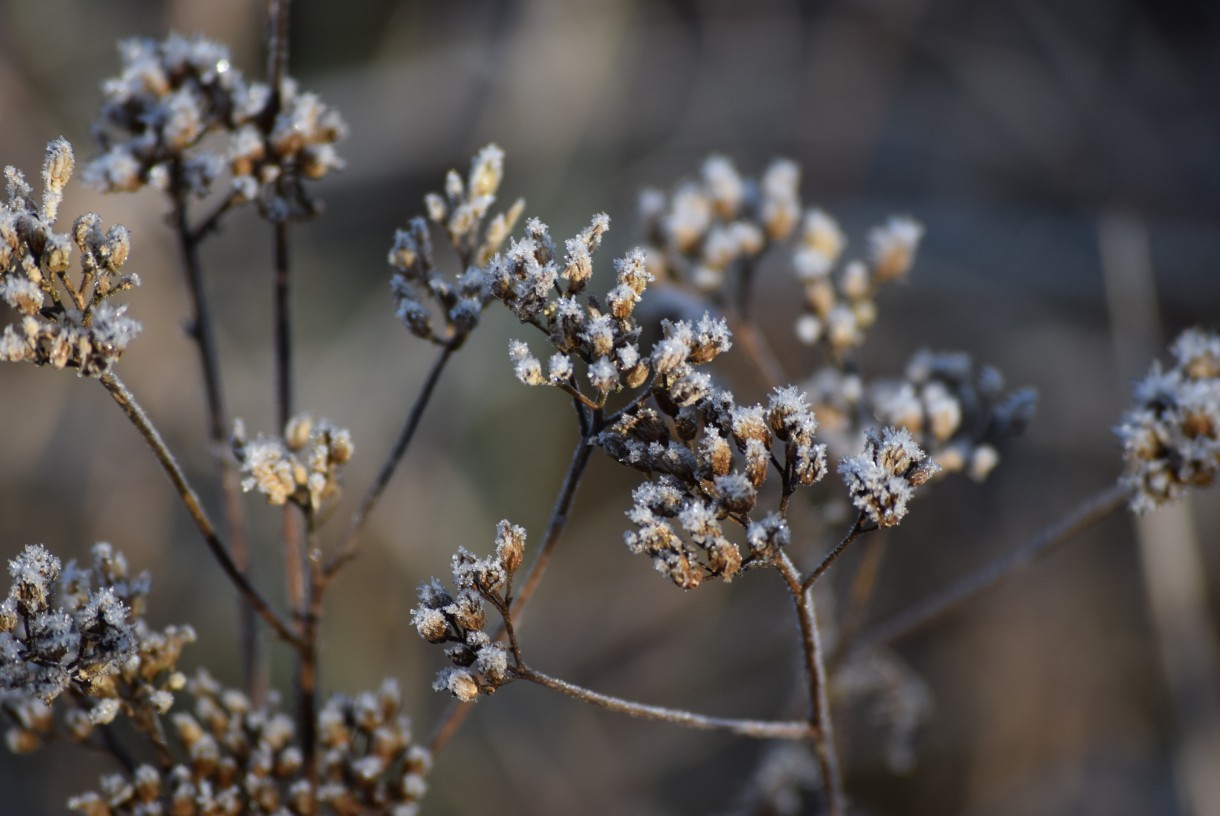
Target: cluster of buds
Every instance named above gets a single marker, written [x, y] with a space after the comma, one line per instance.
[82, 629]
[63, 323]
[954, 413]
[707, 228]
[1171, 437]
[302, 467]
[173, 94]
[460, 213]
[713, 456]
[244, 759]
[368, 763]
[480, 665]
[839, 309]
[883, 477]
[604, 337]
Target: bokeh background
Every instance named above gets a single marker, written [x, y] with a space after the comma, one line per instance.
[1062, 156]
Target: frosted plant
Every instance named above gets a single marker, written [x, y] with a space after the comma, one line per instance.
[460, 212]
[726, 485]
[883, 478]
[302, 467]
[1171, 436]
[82, 630]
[959, 416]
[174, 93]
[480, 664]
[232, 755]
[65, 321]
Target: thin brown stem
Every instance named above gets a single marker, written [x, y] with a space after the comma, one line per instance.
[294, 561]
[283, 324]
[307, 663]
[201, 332]
[855, 532]
[277, 42]
[190, 499]
[757, 729]
[347, 550]
[1085, 515]
[559, 520]
[822, 729]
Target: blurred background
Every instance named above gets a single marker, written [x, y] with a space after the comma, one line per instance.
[1062, 157]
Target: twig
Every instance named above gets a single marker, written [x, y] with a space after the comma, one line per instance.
[190, 499]
[822, 729]
[1085, 515]
[559, 520]
[855, 532]
[283, 325]
[307, 663]
[209, 363]
[347, 550]
[758, 729]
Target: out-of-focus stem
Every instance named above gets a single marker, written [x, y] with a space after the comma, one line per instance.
[202, 333]
[1085, 515]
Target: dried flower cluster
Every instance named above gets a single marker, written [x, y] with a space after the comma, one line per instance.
[302, 467]
[460, 213]
[82, 630]
[711, 465]
[65, 323]
[174, 93]
[1171, 437]
[604, 338]
[705, 230]
[883, 478]
[244, 759]
[480, 665]
[838, 311]
[956, 414]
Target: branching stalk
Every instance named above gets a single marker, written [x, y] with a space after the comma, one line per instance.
[821, 727]
[855, 532]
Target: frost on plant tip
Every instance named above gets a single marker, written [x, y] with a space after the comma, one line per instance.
[301, 467]
[172, 94]
[1171, 434]
[63, 320]
[883, 477]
